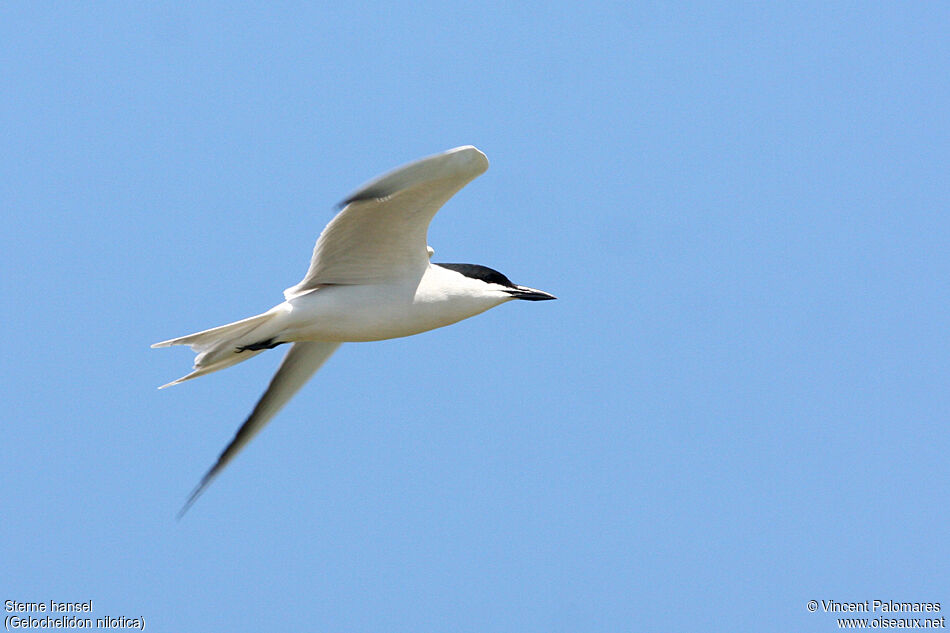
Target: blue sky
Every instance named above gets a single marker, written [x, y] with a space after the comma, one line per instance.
[738, 404]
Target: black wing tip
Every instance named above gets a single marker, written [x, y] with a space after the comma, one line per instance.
[185, 508]
[226, 456]
[204, 483]
[199, 489]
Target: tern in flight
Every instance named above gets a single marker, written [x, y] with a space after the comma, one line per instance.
[370, 279]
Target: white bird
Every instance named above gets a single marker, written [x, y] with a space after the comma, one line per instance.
[370, 279]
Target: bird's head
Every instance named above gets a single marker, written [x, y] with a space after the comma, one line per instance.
[497, 282]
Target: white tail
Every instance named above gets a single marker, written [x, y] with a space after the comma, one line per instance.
[220, 347]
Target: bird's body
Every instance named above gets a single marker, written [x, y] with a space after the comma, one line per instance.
[370, 279]
[439, 297]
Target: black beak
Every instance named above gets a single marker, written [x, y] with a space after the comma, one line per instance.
[529, 294]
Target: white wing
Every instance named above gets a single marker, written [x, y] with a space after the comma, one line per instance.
[380, 235]
[300, 363]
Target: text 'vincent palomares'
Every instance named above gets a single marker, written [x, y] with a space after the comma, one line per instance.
[879, 606]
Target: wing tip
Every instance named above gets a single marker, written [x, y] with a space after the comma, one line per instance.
[465, 161]
[471, 151]
[209, 476]
[190, 501]
[471, 160]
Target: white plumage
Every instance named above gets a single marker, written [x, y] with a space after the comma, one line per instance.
[369, 279]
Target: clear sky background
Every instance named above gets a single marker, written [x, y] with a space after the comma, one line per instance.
[738, 404]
